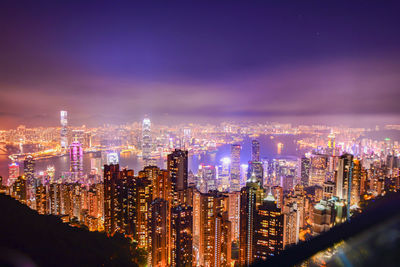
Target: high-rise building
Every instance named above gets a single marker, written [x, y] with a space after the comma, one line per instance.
[13, 173]
[355, 183]
[255, 151]
[160, 229]
[343, 177]
[29, 173]
[319, 166]
[235, 168]
[256, 167]
[214, 232]
[268, 229]
[64, 129]
[146, 142]
[118, 200]
[182, 236]
[223, 173]
[277, 192]
[142, 202]
[328, 190]
[55, 199]
[208, 178]
[287, 182]
[305, 171]
[328, 213]
[76, 159]
[41, 199]
[250, 198]
[234, 213]
[291, 225]
[177, 166]
[20, 189]
[29, 168]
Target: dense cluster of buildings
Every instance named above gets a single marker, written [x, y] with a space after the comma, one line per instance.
[222, 215]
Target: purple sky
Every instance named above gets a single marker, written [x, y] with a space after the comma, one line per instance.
[324, 61]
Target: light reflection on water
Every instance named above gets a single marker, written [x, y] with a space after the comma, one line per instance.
[268, 149]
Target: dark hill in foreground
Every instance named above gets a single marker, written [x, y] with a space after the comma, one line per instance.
[30, 239]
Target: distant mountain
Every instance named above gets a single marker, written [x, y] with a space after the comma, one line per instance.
[30, 239]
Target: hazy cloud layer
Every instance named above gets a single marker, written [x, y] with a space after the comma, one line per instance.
[198, 62]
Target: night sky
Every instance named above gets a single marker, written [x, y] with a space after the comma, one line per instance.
[108, 62]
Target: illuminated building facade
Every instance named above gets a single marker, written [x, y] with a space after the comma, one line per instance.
[223, 173]
[146, 141]
[250, 198]
[291, 224]
[319, 165]
[256, 167]
[41, 200]
[208, 178]
[13, 173]
[305, 170]
[177, 166]
[268, 229]
[344, 177]
[234, 214]
[328, 190]
[355, 183]
[213, 205]
[160, 229]
[182, 235]
[142, 201]
[76, 159]
[20, 189]
[29, 174]
[64, 129]
[118, 200]
[235, 168]
[255, 151]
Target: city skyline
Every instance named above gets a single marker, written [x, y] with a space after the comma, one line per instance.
[300, 63]
[199, 134]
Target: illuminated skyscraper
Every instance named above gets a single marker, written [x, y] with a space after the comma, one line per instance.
[20, 189]
[255, 151]
[13, 173]
[160, 229]
[29, 173]
[268, 229]
[319, 166]
[305, 171]
[182, 236]
[177, 166]
[291, 226]
[142, 202]
[223, 172]
[355, 183]
[235, 168]
[343, 177]
[64, 129]
[250, 198]
[76, 159]
[146, 141]
[118, 200]
[55, 197]
[41, 200]
[234, 213]
[208, 178]
[256, 167]
[208, 229]
[29, 169]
